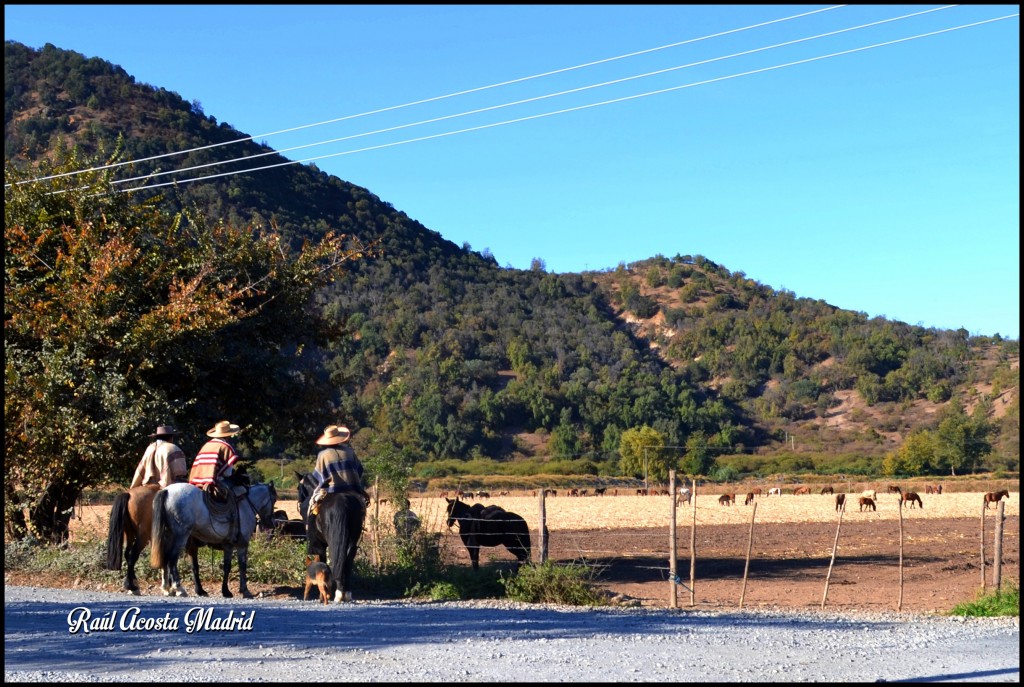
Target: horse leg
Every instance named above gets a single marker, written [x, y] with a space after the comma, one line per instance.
[243, 572]
[226, 572]
[193, 553]
[173, 576]
[131, 557]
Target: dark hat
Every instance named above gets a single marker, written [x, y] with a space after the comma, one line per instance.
[164, 431]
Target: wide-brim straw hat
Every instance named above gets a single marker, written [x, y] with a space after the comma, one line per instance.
[224, 429]
[164, 431]
[333, 435]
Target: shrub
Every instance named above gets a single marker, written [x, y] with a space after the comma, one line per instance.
[552, 583]
[1001, 602]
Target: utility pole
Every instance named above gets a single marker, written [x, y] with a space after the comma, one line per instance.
[646, 485]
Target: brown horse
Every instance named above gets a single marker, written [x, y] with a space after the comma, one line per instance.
[995, 496]
[131, 519]
[801, 490]
[756, 491]
[727, 499]
[912, 498]
[866, 502]
[840, 502]
[894, 489]
[828, 490]
[750, 498]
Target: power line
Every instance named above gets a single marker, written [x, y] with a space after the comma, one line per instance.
[526, 100]
[577, 108]
[440, 97]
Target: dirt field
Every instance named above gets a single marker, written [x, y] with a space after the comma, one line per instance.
[625, 539]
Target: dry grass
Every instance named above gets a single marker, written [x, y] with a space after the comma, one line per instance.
[610, 512]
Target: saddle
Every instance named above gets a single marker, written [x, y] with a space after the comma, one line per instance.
[223, 505]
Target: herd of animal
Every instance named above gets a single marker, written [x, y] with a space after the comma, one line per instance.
[179, 519]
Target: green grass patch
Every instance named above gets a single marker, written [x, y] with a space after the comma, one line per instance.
[997, 603]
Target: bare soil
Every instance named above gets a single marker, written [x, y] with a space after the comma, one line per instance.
[790, 550]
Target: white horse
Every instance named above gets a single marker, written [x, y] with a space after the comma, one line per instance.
[683, 495]
[183, 519]
[775, 491]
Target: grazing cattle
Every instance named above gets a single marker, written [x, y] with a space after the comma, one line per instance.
[869, 494]
[995, 496]
[894, 489]
[866, 502]
[750, 498]
[912, 497]
[840, 502]
[727, 499]
[775, 491]
[801, 490]
[828, 490]
[683, 496]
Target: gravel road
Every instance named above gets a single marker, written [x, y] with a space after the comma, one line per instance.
[386, 641]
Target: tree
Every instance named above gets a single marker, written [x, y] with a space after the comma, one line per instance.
[119, 316]
[917, 455]
[963, 440]
[698, 459]
[642, 452]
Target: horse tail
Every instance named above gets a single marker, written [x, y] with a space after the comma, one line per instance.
[162, 535]
[115, 532]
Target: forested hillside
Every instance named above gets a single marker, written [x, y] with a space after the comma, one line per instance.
[443, 361]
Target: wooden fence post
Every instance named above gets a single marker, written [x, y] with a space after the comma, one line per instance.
[672, 553]
[983, 546]
[543, 533]
[693, 538]
[746, 567]
[899, 603]
[997, 556]
[376, 523]
[835, 545]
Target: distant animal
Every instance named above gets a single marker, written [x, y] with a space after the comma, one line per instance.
[996, 496]
[828, 490]
[483, 495]
[912, 498]
[756, 491]
[600, 491]
[727, 499]
[775, 491]
[551, 492]
[801, 490]
[573, 492]
[503, 493]
[583, 492]
[894, 489]
[750, 498]
[938, 488]
[490, 526]
[869, 494]
[840, 502]
[641, 492]
[131, 519]
[866, 502]
[929, 489]
[318, 574]
[683, 495]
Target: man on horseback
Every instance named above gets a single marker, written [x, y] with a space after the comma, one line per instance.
[214, 465]
[337, 470]
[163, 462]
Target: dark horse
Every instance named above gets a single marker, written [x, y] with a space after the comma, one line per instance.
[184, 518]
[333, 533]
[490, 526]
[128, 533]
[996, 496]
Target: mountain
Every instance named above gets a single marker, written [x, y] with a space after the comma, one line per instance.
[452, 358]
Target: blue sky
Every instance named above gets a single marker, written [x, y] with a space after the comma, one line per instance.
[883, 180]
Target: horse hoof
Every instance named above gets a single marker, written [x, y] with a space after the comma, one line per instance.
[247, 595]
[135, 592]
[338, 596]
[227, 594]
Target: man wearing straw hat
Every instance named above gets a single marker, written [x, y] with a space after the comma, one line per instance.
[163, 463]
[215, 462]
[337, 469]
